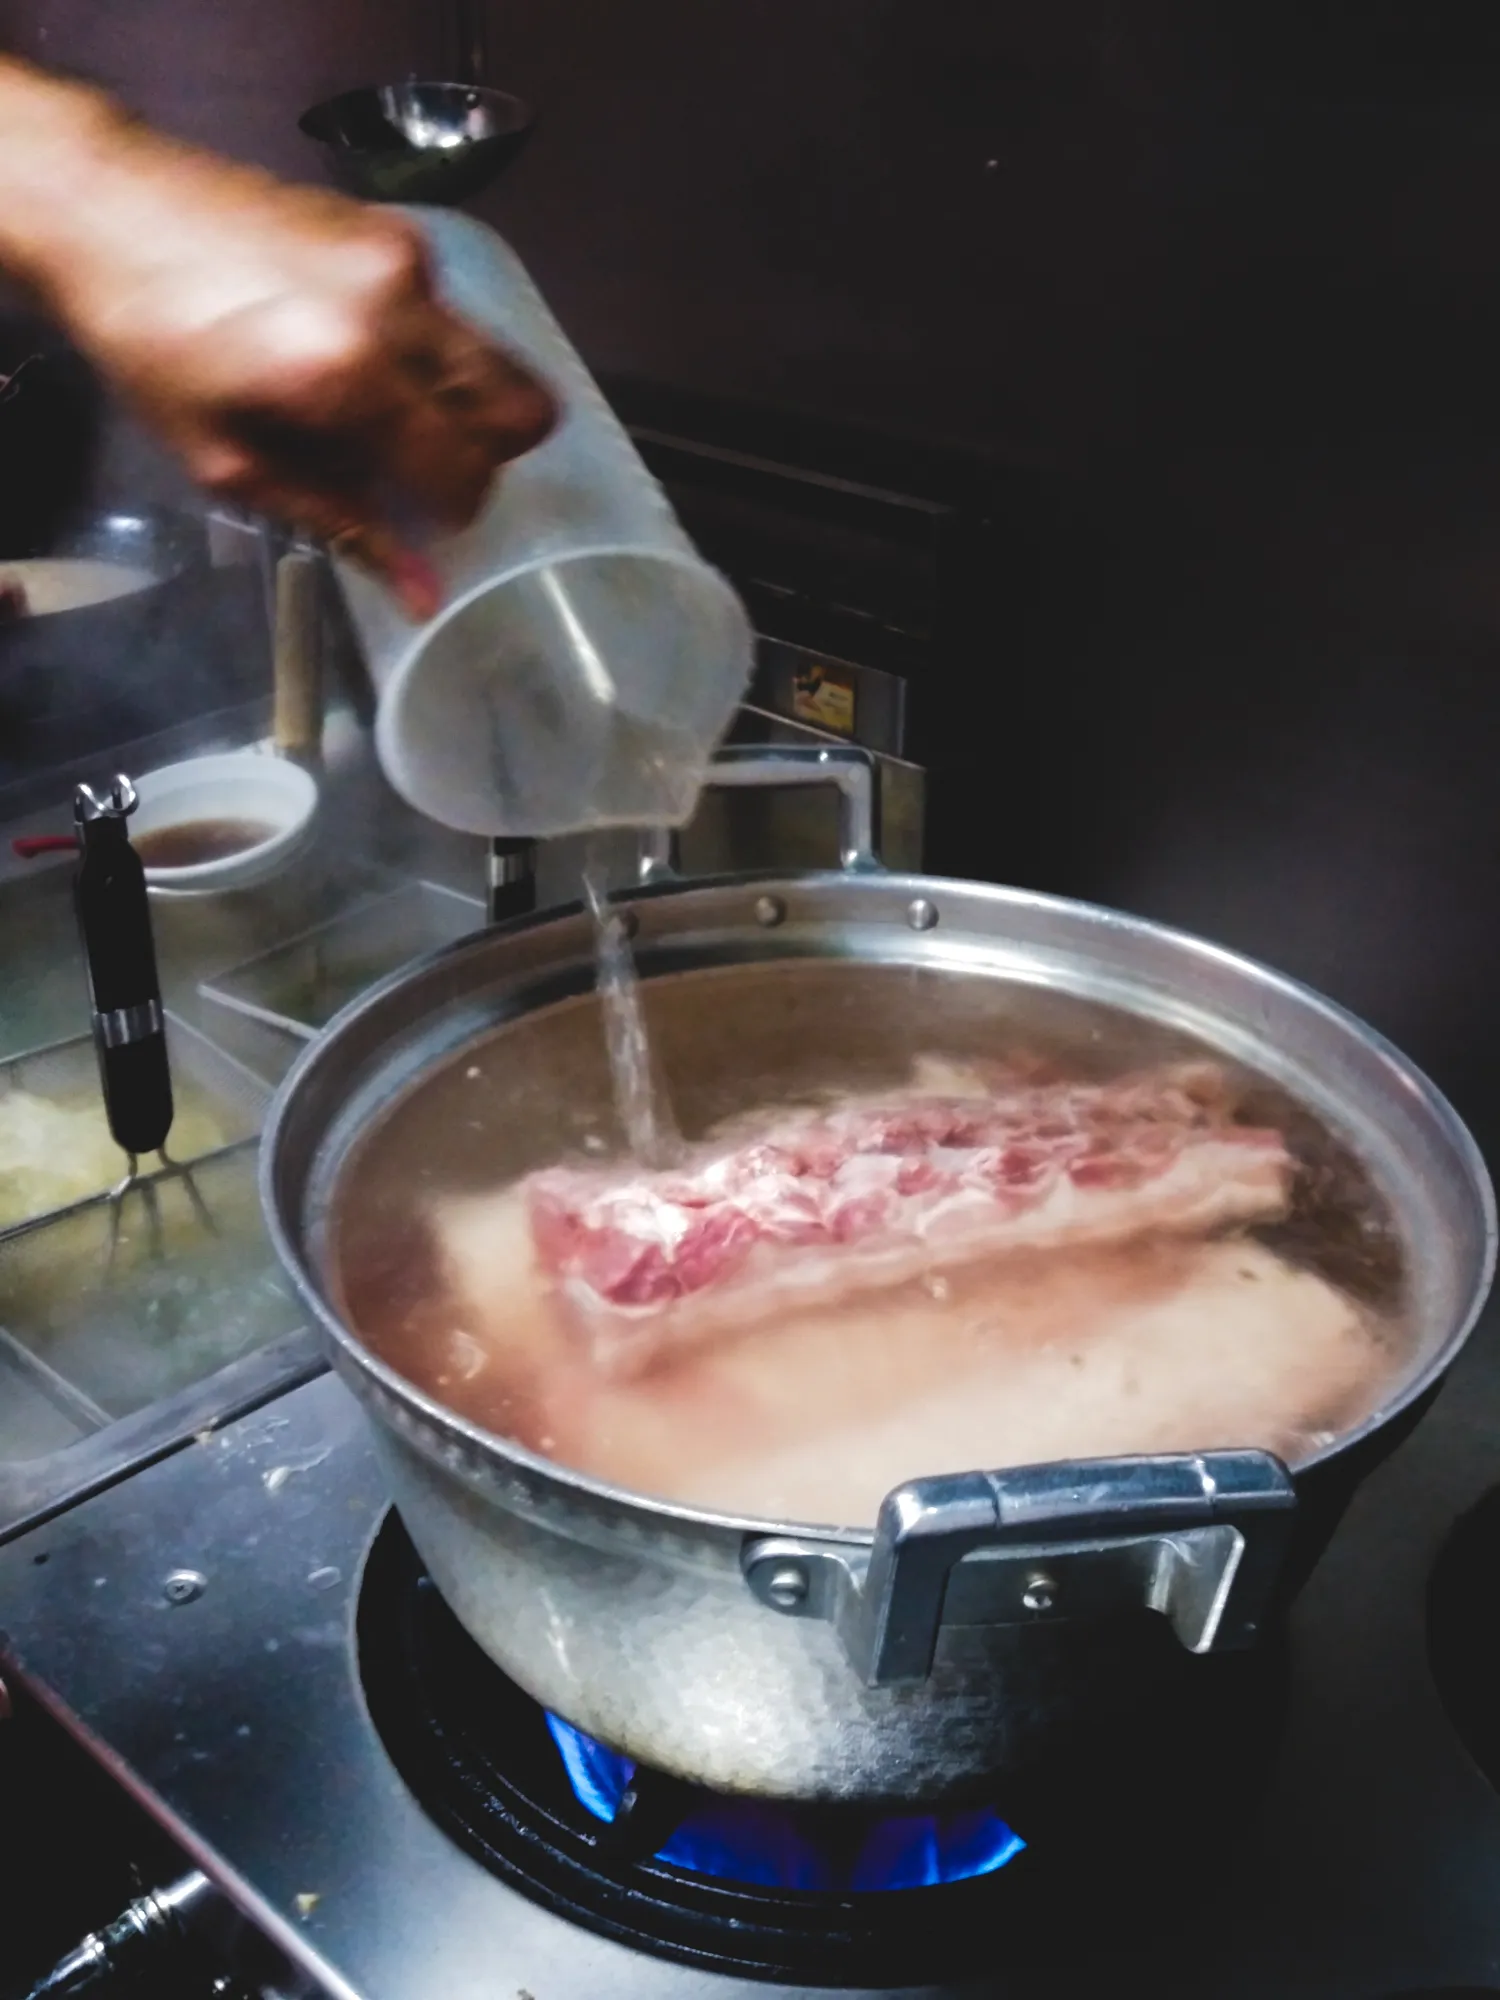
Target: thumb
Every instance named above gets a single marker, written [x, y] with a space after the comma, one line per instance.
[410, 577]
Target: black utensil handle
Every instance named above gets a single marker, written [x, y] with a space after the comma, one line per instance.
[114, 922]
[137, 1091]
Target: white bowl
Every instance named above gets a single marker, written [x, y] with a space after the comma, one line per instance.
[238, 784]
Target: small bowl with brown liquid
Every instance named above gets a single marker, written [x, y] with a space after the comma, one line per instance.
[222, 822]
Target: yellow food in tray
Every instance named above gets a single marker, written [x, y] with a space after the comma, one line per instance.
[53, 1153]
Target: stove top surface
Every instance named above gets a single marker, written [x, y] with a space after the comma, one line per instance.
[200, 1625]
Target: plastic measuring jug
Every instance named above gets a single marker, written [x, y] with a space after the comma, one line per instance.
[586, 659]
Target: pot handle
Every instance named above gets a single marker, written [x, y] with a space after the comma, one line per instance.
[1197, 1537]
[759, 767]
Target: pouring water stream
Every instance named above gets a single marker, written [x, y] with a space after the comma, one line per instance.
[641, 1102]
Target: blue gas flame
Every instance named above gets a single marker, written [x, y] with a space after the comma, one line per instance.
[774, 1847]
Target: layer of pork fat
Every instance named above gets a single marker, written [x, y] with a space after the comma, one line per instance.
[1161, 1345]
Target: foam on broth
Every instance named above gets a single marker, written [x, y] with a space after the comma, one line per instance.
[1280, 1337]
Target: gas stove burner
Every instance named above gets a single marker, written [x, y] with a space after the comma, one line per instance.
[641, 1857]
[779, 1847]
[1463, 1632]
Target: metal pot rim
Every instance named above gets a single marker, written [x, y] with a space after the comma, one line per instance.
[471, 1448]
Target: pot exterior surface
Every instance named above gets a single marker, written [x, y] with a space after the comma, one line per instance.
[677, 1665]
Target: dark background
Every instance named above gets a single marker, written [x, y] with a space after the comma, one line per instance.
[1198, 307]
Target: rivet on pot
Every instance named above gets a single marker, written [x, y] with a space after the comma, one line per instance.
[770, 911]
[921, 913]
[1040, 1593]
[787, 1586]
[183, 1585]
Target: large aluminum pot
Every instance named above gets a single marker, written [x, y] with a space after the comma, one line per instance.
[991, 1618]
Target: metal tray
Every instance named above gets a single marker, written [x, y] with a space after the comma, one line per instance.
[67, 1073]
[39, 1415]
[300, 985]
[114, 1305]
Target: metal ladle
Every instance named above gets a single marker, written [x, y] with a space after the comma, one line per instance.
[438, 143]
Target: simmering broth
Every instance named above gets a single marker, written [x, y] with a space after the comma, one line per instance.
[1280, 1336]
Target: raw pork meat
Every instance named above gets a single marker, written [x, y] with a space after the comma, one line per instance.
[822, 1202]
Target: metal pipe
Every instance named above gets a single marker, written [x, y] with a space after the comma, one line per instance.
[511, 887]
[147, 1931]
[471, 34]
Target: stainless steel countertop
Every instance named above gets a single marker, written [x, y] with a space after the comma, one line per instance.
[239, 1714]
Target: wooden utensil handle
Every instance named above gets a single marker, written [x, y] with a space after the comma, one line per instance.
[298, 729]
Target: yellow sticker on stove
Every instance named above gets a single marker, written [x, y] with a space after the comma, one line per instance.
[824, 698]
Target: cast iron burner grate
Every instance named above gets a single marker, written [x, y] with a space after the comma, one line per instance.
[480, 1757]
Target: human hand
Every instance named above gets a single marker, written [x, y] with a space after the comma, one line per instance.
[287, 343]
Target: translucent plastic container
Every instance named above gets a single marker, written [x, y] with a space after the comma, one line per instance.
[586, 659]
